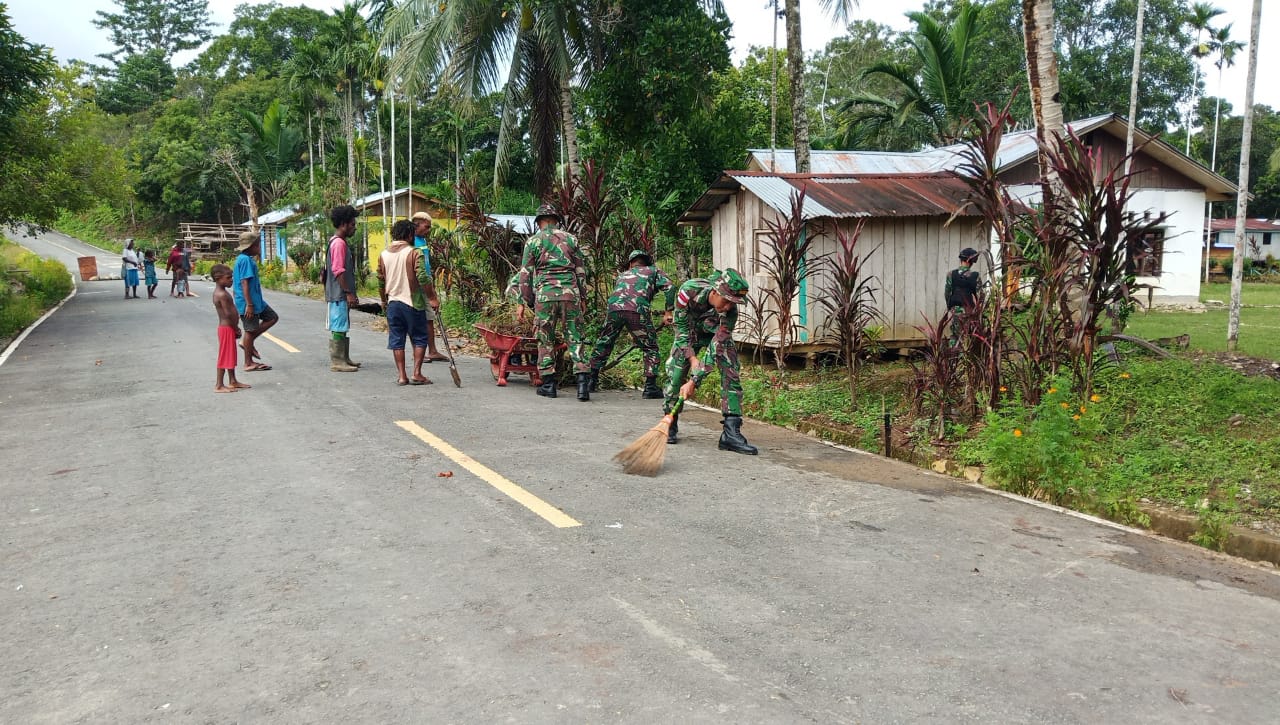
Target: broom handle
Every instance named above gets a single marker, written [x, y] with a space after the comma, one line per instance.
[676, 410]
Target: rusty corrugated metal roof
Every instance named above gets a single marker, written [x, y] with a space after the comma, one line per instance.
[841, 196]
[1250, 225]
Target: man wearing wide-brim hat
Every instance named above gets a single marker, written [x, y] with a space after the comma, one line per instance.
[705, 315]
[255, 314]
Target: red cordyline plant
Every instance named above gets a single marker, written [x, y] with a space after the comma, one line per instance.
[849, 297]
[500, 247]
[590, 210]
[1093, 214]
[936, 373]
[787, 263]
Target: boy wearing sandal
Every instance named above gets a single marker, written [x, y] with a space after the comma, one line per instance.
[397, 285]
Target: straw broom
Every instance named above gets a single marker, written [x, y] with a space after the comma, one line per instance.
[645, 455]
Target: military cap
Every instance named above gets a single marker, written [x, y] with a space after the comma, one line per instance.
[546, 210]
[640, 253]
[731, 286]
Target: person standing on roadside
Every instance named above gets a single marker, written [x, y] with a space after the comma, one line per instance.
[961, 291]
[421, 235]
[172, 265]
[149, 269]
[132, 263]
[340, 287]
[399, 287]
[255, 315]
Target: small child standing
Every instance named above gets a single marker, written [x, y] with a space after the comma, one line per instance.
[228, 329]
[149, 270]
[180, 277]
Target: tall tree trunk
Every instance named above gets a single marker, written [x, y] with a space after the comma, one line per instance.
[1242, 196]
[1042, 77]
[311, 158]
[350, 123]
[795, 69]
[382, 175]
[1133, 85]
[395, 213]
[570, 128]
[411, 104]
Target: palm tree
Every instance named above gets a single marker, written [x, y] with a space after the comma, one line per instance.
[935, 96]
[346, 38]
[1226, 49]
[1242, 195]
[1200, 20]
[1042, 77]
[266, 158]
[838, 9]
[310, 78]
[533, 49]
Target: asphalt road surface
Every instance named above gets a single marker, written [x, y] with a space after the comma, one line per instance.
[293, 553]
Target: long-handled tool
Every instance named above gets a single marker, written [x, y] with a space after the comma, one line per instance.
[453, 367]
[644, 456]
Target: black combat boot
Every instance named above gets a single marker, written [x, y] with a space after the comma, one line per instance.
[731, 439]
[584, 387]
[673, 429]
[595, 380]
[651, 390]
[548, 388]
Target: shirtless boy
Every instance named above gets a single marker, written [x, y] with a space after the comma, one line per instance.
[228, 329]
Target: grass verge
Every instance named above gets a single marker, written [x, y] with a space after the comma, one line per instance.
[29, 285]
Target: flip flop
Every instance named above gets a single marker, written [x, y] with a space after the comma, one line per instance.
[437, 356]
[424, 381]
[402, 382]
[256, 367]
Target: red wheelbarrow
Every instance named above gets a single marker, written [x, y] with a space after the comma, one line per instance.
[513, 354]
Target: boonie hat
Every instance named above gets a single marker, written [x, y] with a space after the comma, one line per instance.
[546, 210]
[731, 286]
[247, 239]
[420, 216]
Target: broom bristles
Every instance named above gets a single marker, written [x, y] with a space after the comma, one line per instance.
[645, 455]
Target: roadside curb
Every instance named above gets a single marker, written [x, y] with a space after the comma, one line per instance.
[1179, 526]
[4, 356]
[1260, 549]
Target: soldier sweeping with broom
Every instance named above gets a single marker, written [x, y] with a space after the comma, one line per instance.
[705, 314]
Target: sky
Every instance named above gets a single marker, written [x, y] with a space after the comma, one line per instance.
[66, 26]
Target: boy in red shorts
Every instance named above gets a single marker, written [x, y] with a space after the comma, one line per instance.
[228, 329]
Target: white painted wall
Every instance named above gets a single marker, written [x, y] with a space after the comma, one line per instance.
[1228, 240]
[1179, 282]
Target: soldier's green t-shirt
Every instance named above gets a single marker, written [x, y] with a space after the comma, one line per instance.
[635, 289]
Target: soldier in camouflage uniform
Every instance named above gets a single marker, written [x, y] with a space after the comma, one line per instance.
[629, 310]
[961, 290]
[553, 283]
[705, 314]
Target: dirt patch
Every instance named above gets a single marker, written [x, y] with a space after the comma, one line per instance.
[1249, 366]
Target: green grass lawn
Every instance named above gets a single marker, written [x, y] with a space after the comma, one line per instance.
[1252, 294]
[1259, 329]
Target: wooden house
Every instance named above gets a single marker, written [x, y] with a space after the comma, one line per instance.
[907, 197]
[1261, 239]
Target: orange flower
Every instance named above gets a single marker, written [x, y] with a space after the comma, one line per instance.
[1095, 398]
[1017, 432]
[1082, 410]
[1075, 417]
[1052, 391]
[1064, 405]
[1003, 389]
[1126, 376]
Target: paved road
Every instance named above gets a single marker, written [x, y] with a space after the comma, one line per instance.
[292, 554]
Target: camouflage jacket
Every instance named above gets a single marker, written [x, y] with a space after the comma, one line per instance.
[695, 319]
[552, 268]
[635, 289]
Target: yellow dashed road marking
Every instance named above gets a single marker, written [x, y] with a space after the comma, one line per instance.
[553, 515]
[286, 346]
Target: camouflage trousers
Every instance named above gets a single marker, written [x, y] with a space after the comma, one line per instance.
[640, 325]
[546, 314]
[726, 360]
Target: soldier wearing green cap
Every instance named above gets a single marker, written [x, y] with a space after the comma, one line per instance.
[706, 312]
[628, 309]
[553, 282]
